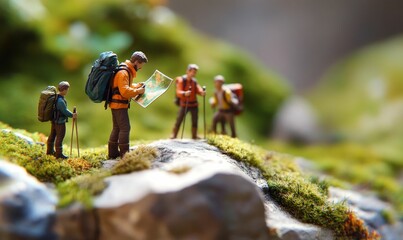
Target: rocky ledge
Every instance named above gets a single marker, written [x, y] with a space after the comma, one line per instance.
[213, 197]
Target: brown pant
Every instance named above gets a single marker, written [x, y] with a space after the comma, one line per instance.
[224, 117]
[121, 126]
[194, 111]
[57, 132]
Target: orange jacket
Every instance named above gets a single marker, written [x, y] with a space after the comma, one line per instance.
[182, 87]
[124, 83]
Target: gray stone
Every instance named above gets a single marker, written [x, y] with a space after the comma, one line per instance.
[296, 121]
[155, 204]
[285, 226]
[27, 207]
[108, 164]
[370, 209]
[391, 232]
[27, 139]
[368, 203]
[281, 224]
[220, 206]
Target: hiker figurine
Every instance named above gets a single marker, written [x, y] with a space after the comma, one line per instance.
[58, 127]
[186, 90]
[223, 100]
[123, 89]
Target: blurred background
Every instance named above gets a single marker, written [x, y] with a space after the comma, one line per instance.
[322, 80]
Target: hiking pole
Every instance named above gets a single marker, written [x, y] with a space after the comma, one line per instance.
[74, 125]
[72, 134]
[204, 110]
[186, 109]
[76, 122]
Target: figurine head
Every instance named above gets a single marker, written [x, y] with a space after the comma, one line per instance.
[63, 88]
[138, 59]
[192, 70]
[218, 81]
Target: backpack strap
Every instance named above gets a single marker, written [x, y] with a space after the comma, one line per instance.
[230, 103]
[192, 82]
[119, 68]
[114, 91]
[224, 97]
[183, 82]
[55, 113]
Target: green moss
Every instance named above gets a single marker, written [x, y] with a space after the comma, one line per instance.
[44, 167]
[136, 160]
[237, 149]
[354, 163]
[82, 189]
[389, 216]
[323, 185]
[305, 200]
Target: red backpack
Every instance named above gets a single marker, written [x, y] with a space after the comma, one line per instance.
[237, 91]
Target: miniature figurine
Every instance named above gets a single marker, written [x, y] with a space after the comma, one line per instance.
[186, 90]
[123, 89]
[58, 127]
[223, 100]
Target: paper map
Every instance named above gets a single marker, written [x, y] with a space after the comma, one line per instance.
[155, 86]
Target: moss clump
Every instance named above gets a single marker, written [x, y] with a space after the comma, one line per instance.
[136, 160]
[238, 150]
[180, 169]
[354, 228]
[322, 184]
[306, 201]
[82, 189]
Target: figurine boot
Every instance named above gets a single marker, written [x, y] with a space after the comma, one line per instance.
[174, 133]
[113, 150]
[59, 153]
[194, 133]
[124, 148]
[50, 149]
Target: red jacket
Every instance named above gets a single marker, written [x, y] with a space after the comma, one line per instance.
[183, 84]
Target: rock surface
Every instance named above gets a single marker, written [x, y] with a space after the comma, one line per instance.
[370, 209]
[212, 200]
[213, 197]
[281, 225]
[26, 205]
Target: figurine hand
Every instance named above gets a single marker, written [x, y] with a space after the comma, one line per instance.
[75, 115]
[187, 93]
[138, 85]
[140, 90]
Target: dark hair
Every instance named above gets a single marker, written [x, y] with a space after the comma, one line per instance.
[138, 56]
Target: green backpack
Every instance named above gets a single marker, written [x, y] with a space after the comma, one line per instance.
[100, 80]
[47, 104]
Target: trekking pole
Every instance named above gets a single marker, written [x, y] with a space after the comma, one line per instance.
[74, 125]
[76, 121]
[186, 109]
[204, 110]
[72, 134]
